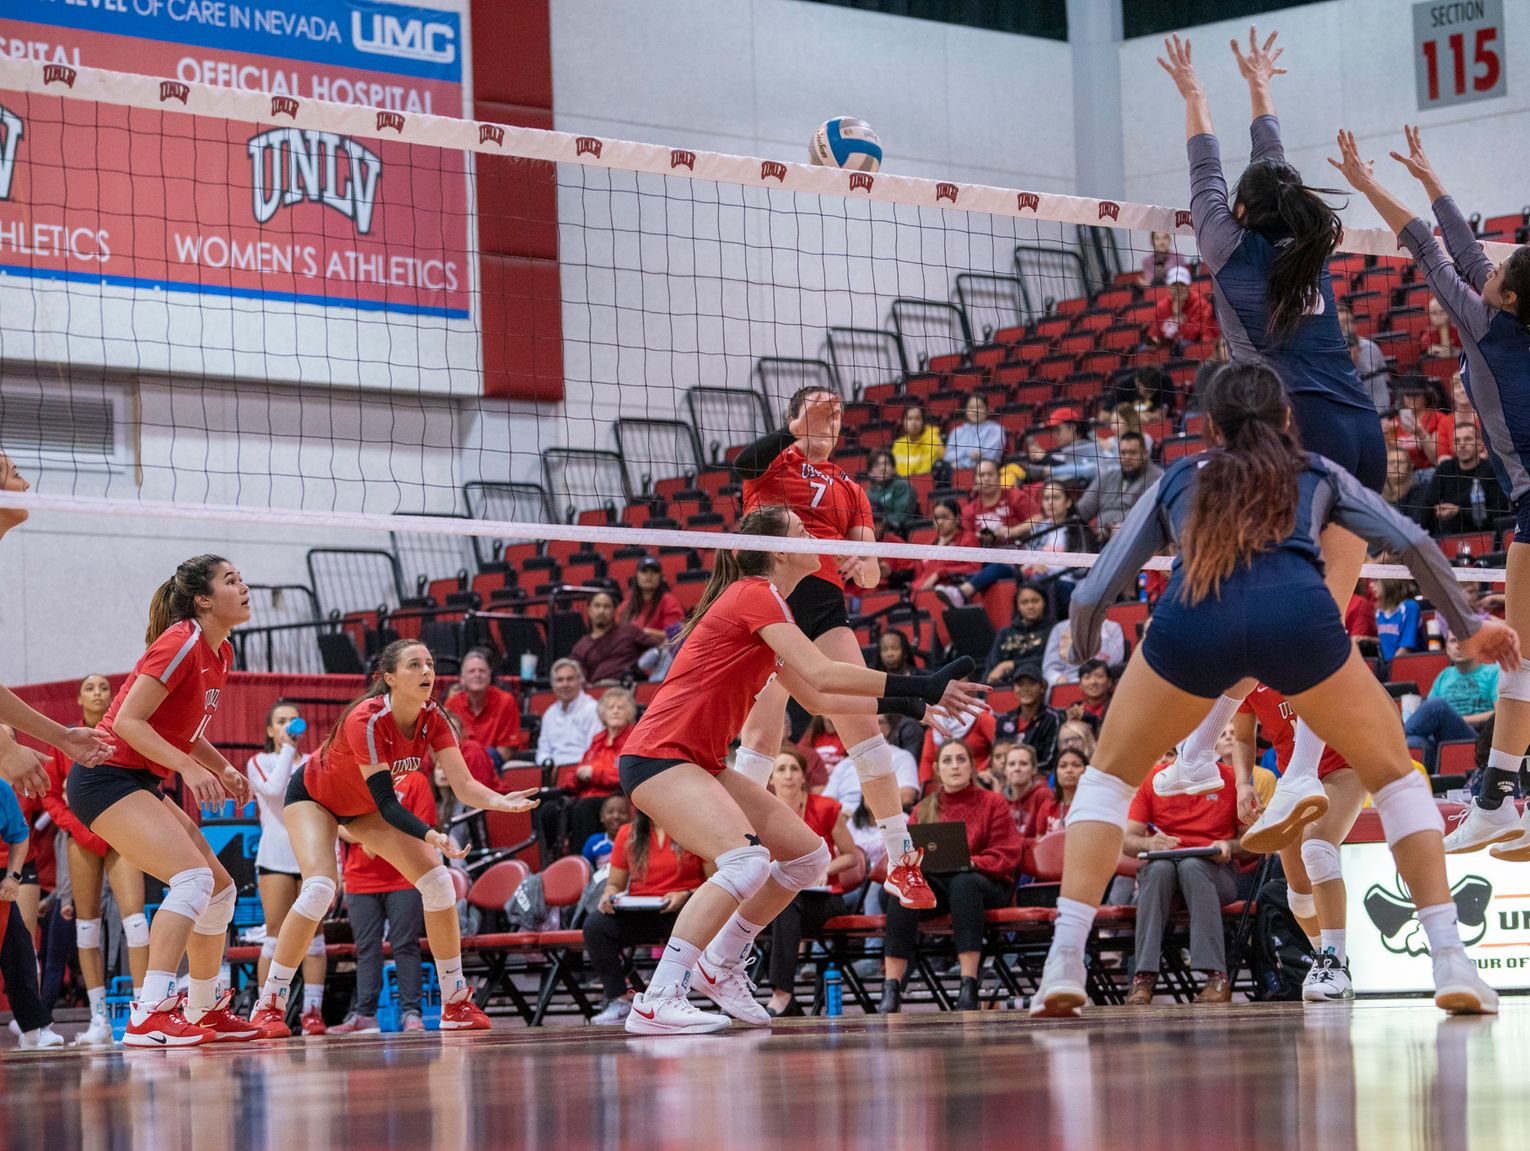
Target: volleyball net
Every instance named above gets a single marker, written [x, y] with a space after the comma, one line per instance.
[469, 345]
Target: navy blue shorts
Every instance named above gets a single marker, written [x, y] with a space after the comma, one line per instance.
[1349, 436]
[1276, 622]
[1522, 519]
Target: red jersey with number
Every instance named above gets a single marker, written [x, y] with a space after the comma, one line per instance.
[668, 867]
[192, 673]
[827, 501]
[722, 666]
[1277, 721]
[370, 735]
[364, 873]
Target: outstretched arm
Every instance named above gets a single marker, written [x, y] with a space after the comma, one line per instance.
[1460, 242]
[1259, 68]
[1217, 232]
[1178, 66]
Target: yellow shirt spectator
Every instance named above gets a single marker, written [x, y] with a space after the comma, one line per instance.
[918, 445]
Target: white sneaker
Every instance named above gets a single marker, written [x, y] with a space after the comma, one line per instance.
[952, 595]
[1516, 850]
[612, 1013]
[669, 1012]
[1328, 980]
[1187, 777]
[1477, 828]
[98, 1034]
[1296, 803]
[38, 1040]
[728, 985]
[1458, 988]
[1062, 992]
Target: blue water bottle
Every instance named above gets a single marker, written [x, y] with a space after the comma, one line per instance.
[833, 991]
[1142, 587]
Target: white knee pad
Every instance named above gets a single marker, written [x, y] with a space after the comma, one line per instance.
[437, 892]
[135, 929]
[1515, 684]
[87, 934]
[268, 948]
[219, 913]
[872, 758]
[190, 892]
[805, 871]
[1406, 807]
[751, 764]
[316, 946]
[1321, 859]
[1101, 798]
[1302, 906]
[742, 871]
[314, 897]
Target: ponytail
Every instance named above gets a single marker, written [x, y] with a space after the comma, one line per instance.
[1304, 229]
[729, 567]
[387, 663]
[176, 598]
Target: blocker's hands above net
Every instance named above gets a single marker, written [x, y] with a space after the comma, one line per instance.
[1258, 67]
[1179, 67]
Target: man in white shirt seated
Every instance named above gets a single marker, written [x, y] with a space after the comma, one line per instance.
[845, 785]
[571, 722]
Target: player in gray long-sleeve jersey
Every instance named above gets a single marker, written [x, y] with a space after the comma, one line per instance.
[1490, 306]
[1247, 599]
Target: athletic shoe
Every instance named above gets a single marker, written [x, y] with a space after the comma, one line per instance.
[98, 1034]
[1515, 850]
[1328, 980]
[165, 1026]
[464, 1015]
[39, 1040]
[1189, 777]
[225, 1025]
[356, 1025]
[728, 985]
[612, 1013]
[952, 595]
[669, 1012]
[1062, 993]
[312, 1022]
[413, 1022]
[906, 881]
[270, 1020]
[1296, 803]
[1477, 828]
[1458, 988]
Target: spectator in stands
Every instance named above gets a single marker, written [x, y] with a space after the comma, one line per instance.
[1440, 340]
[1025, 790]
[1459, 703]
[11, 480]
[992, 777]
[1370, 362]
[809, 910]
[18, 956]
[905, 733]
[1183, 315]
[821, 738]
[1071, 763]
[654, 877]
[1076, 735]
[844, 784]
[895, 573]
[376, 893]
[918, 446]
[975, 733]
[1398, 627]
[946, 515]
[1464, 495]
[977, 438]
[615, 812]
[1057, 529]
[1158, 263]
[1415, 428]
[891, 496]
[1032, 722]
[1123, 419]
[596, 777]
[654, 610]
[1097, 685]
[1074, 458]
[609, 652]
[1204, 884]
[572, 722]
[1024, 641]
[995, 848]
[895, 653]
[1118, 487]
[994, 515]
[1402, 490]
[1055, 663]
[487, 714]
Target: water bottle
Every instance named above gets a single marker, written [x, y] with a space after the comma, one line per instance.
[1142, 587]
[1432, 630]
[528, 665]
[297, 727]
[833, 991]
[1479, 504]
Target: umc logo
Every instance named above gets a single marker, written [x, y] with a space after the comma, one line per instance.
[173, 90]
[1110, 208]
[590, 144]
[59, 74]
[1024, 200]
[284, 106]
[862, 181]
[678, 156]
[11, 128]
[1181, 217]
[773, 169]
[945, 192]
[487, 132]
[1394, 916]
[409, 39]
[325, 167]
[394, 120]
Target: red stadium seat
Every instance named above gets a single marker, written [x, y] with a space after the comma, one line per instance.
[1422, 667]
[1062, 695]
[495, 887]
[1177, 447]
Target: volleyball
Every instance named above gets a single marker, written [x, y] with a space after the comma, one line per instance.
[845, 142]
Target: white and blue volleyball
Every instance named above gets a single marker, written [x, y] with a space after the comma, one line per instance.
[848, 143]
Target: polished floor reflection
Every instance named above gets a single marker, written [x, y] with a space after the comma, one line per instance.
[1394, 1074]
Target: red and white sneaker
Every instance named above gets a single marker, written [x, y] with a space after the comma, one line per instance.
[312, 1022]
[270, 1020]
[728, 985]
[225, 1025]
[165, 1026]
[464, 1015]
[906, 881]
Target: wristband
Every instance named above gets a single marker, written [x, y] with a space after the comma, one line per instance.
[902, 705]
[930, 687]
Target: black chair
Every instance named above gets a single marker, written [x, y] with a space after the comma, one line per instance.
[971, 632]
[339, 655]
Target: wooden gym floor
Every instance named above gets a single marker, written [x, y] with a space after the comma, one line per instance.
[1393, 1074]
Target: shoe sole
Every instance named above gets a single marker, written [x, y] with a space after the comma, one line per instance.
[1205, 788]
[1464, 1001]
[652, 1027]
[1327, 998]
[1519, 854]
[235, 1036]
[1060, 1003]
[921, 905]
[467, 1026]
[1269, 840]
[1508, 836]
[131, 1040]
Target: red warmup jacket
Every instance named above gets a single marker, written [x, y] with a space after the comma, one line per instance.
[601, 757]
[991, 835]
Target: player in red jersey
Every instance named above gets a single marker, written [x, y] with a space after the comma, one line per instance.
[1315, 882]
[740, 643]
[791, 468]
[157, 721]
[384, 734]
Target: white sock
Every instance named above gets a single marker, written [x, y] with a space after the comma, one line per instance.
[895, 836]
[1202, 742]
[1316, 941]
[201, 997]
[158, 986]
[734, 941]
[1439, 923]
[1305, 753]
[1334, 941]
[278, 983]
[97, 997]
[1074, 919]
[674, 968]
[313, 996]
[453, 985]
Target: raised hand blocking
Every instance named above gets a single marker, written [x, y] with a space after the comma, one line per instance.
[1258, 67]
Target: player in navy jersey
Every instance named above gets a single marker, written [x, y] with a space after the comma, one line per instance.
[1246, 598]
[1490, 306]
[1266, 245]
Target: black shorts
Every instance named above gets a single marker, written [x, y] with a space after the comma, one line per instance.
[90, 791]
[636, 769]
[1349, 436]
[259, 871]
[818, 606]
[297, 792]
[29, 874]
